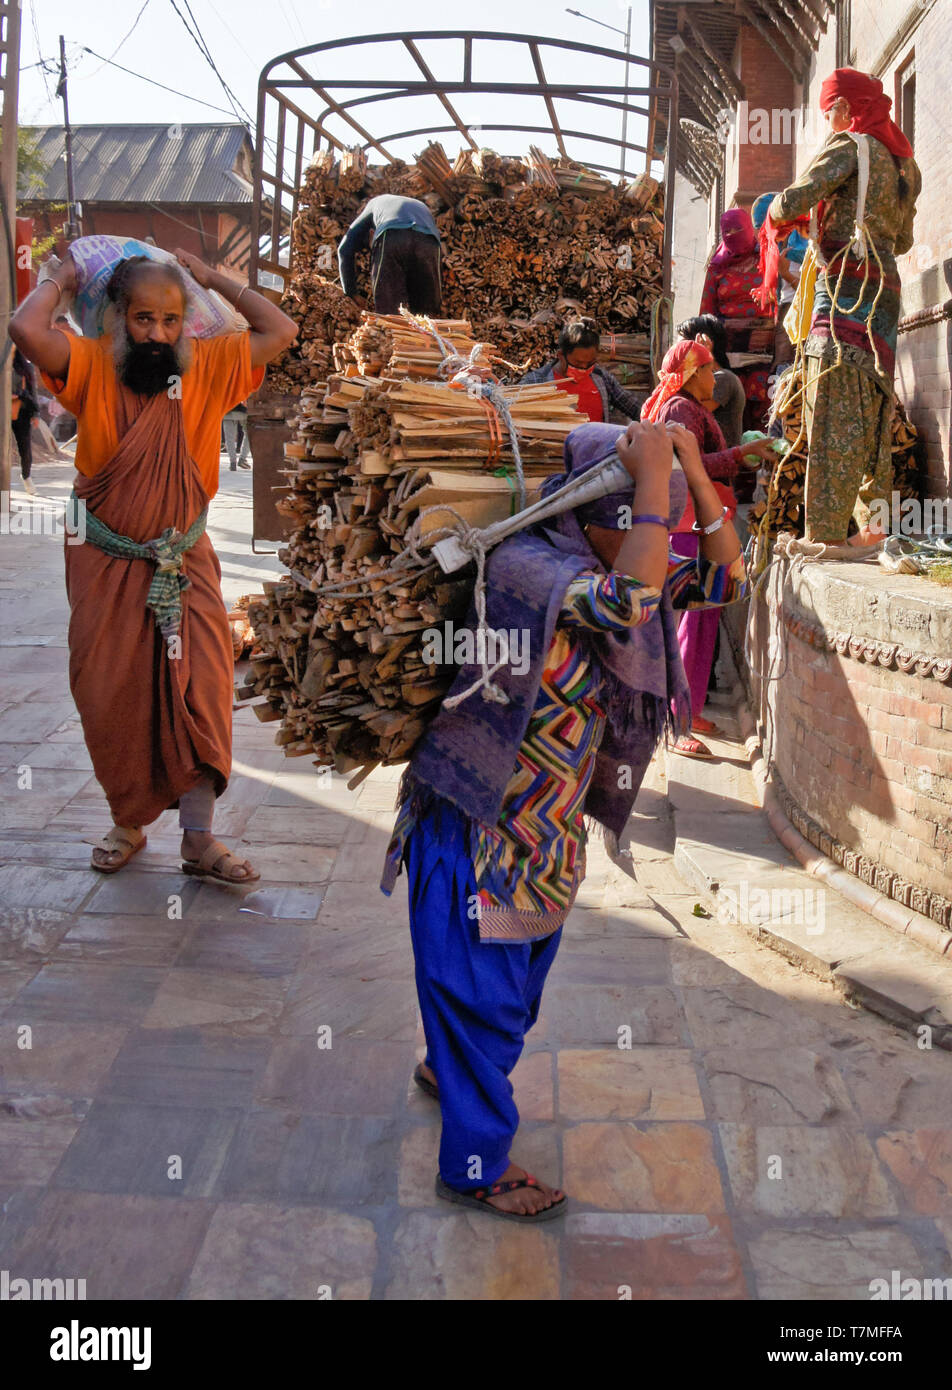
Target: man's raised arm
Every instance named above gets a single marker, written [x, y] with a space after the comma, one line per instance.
[30, 326]
[271, 329]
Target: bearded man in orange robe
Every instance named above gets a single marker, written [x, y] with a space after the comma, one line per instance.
[150, 654]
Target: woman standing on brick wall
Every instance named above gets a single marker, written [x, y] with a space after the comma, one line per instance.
[850, 353]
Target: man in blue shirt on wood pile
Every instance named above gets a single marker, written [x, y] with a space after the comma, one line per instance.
[404, 256]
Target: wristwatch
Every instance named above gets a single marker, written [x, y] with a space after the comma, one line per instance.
[714, 526]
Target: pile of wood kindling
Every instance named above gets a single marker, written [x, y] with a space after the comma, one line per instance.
[340, 644]
[518, 236]
[786, 512]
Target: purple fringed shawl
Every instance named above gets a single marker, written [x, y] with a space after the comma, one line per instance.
[467, 754]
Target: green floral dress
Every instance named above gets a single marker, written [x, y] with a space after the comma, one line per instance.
[850, 353]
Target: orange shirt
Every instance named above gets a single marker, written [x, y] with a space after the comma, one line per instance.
[219, 377]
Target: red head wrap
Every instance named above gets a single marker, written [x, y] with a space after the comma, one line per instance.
[869, 108]
[680, 363]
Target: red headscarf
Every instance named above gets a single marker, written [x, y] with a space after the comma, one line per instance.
[680, 363]
[869, 108]
[771, 234]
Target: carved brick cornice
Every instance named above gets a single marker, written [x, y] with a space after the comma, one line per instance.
[885, 881]
[869, 649]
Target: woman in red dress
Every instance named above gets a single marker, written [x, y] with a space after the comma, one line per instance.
[733, 273]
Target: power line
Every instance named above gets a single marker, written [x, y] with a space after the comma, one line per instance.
[121, 41]
[152, 80]
[203, 48]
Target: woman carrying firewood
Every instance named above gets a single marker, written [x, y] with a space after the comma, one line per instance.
[491, 826]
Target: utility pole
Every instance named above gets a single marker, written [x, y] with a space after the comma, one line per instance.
[9, 85]
[72, 228]
[624, 114]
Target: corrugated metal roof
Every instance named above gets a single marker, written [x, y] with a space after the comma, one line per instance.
[147, 164]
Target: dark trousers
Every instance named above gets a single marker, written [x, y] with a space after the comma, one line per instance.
[405, 269]
[24, 439]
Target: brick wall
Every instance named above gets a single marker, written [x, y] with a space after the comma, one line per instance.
[769, 85]
[876, 770]
[201, 236]
[863, 748]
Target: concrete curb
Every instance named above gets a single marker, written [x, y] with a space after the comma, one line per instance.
[903, 920]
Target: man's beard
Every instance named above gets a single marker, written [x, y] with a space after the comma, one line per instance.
[147, 369]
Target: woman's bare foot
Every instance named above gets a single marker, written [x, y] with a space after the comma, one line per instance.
[869, 535]
[525, 1200]
[228, 867]
[116, 848]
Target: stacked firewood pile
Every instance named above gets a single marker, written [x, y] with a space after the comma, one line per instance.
[376, 466]
[519, 237]
[786, 510]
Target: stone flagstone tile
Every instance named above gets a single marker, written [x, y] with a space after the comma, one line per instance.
[655, 1167]
[808, 1264]
[353, 1077]
[370, 1008]
[921, 1160]
[631, 963]
[622, 923]
[25, 780]
[536, 1149]
[185, 1067]
[785, 1086]
[23, 885]
[745, 1016]
[144, 894]
[31, 1145]
[137, 940]
[368, 952]
[251, 945]
[152, 1150]
[610, 1255]
[472, 1257]
[532, 1086]
[65, 755]
[642, 1083]
[31, 811]
[350, 1159]
[594, 1014]
[35, 720]
[65, 1058]
[82, 993]
[274, 1251]
[125, 1247]
[30, 934]
[693, 963]
[298, 825]
[12, 980]
[225, 1002]
[897, 1084]
[822, 1172]
[292, 863]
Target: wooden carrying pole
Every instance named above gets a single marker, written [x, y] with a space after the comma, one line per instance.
[10, 56]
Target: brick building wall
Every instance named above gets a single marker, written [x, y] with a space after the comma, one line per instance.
[873, 775]
[202, 232]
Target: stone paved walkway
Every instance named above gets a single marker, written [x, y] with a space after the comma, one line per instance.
[179, 1128]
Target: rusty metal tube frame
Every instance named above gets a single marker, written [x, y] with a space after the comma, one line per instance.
[596, 94]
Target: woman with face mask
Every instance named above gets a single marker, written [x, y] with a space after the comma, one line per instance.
[575, 369]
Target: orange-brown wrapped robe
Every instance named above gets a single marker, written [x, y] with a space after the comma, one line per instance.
[153, 724]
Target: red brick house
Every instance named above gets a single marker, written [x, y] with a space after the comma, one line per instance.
[181, 185]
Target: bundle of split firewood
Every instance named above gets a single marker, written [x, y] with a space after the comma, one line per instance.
[378, 466]
[518, 237]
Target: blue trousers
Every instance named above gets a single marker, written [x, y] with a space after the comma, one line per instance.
[478, 1000]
